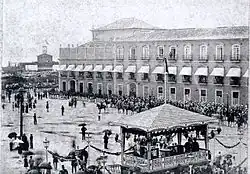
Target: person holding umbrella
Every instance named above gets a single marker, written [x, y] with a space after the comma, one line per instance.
[83, 129]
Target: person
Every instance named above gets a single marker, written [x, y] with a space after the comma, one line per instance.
[106, 141]
[26, 143]
[26, 108]
[62, 108]
[63, 171]
[55, 161]
[47, 106]
[116, 137]
[34, 105]
[31, 162]
[11, 144]
[74, 164]
[188, 145]
[83, 129]
[195, 146]
[3, 106]
[35, 120]
[218, 160]
[25, 162]
[13, 106]
[31, 141]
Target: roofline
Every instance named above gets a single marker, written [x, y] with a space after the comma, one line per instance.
[127, 29]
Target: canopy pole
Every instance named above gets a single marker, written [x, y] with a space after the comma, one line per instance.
[206, 137]
[179, 137]
[122, 144]
[165, 84]
[149, 139]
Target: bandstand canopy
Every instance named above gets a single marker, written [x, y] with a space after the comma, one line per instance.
[164, 117]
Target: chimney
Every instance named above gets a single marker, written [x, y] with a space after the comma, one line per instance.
[44, 49]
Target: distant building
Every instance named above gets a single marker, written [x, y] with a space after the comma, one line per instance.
[126, 58]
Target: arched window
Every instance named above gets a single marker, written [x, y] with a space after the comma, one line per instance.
[219, 52]
[172, 53]
[187, 52]
[119, 52]
[145, 52]
[160, 51]
[236, 52]
[203, 52]
[132, 53]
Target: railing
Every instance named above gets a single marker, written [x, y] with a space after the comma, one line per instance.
[172, 58]
[132, 57]
[187, 57]
[134, 161]
[219, 58]
[119, 57]
[145, 57]
[203, 58]
[235, 58]
[159, 57]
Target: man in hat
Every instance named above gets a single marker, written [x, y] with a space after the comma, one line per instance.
[62, 108]
[83, 129]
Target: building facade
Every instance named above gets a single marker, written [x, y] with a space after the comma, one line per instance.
[127, 58]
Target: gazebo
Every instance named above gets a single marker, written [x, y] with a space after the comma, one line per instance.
[165, 120]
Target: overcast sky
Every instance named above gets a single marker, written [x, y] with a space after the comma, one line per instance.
[30, 24]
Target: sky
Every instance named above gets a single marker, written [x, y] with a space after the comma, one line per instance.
[30, 24]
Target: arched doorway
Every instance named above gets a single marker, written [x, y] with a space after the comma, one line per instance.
[99, 89]
[132, 89]
[64, 86]
[81, 87]
[72, 86]
[90, 88]
[109, 89]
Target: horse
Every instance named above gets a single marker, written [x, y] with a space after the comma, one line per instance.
[101, 106]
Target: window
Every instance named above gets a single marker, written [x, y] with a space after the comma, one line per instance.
[81, 74]
[119, 53]
[81, 87]
[131, 76]
[160, 51]
[72, 74]
[171, 78]
[235, 98]
[203, 95]
[187, 52]
[219, 52]
[218, 80]
[218, 96]
[235, 81]
[64, 86]
[145, 76]
[109, 75]
[160, 92]
[89, 75]
[120, 90]
[172, 53]
[99, 88]
[187, 94]
[132, 53]
[172, 94]
[119, 76]
[160, 77]
[236, 52]
[145, 52]
[186, 79]
[109, 89]
[99, 75]
[203, 52]
[63, 74]
[145, 91]
[202, 79]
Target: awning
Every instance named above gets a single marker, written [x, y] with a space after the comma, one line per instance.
[201, 72]
[218, 72]
[88, 68]
[98, 68]
[172, 70]
[55, 67]
[79, 68]
[144, 69]
[62, 68]
[233, 72]
[70, 68]
[108, 68]
[246, 74]
[118, 69]
[158, 70]
[186, 71]
[131, 69]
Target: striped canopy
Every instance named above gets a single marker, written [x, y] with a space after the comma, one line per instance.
[164, 117]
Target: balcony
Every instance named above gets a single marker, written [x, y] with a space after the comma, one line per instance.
[119, 57]
[187, 80]
[219, 81]
[187, 58]
[132, 58]
[119, 76]
[89, 76]
[235, 82]
[219, 58]
[145, 58]
[159, 57]
[203, 58]
[235, 58]
[108, 77]
[64, 74]
[172, 58]
[202, 80]
[171, 78]
[160, 80]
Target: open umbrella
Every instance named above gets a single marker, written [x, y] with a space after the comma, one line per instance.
[26, 153]
[108, 131]
[45, 165]
[18, 141]
[82, 124]
[12, 134]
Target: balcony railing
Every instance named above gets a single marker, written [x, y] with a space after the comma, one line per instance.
[235, 83]
[172, 58]
[235, 58]
[159, 79]
[218, 80]
[187, 57]
[145, 58]
[202, 80]
[219, 58]
[132, 57]
[159, 57]
[203, 58]
[119, 57]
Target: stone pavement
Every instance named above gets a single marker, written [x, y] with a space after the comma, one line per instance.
[62, 130]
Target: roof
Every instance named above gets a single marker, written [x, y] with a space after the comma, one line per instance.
[127, 23]
[164, 117]
[44, 54]
[189, 34]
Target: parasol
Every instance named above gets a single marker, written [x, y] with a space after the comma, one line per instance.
[33, 171]
[108, 131]
[18, 141]
[45, 165]
[82, 124]
[12, 135]
[26, 153]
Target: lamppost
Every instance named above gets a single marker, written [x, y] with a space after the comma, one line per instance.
[46, 145]
[21, 100]
[165, 78]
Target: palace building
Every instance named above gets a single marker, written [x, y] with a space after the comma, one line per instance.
[127, 58]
